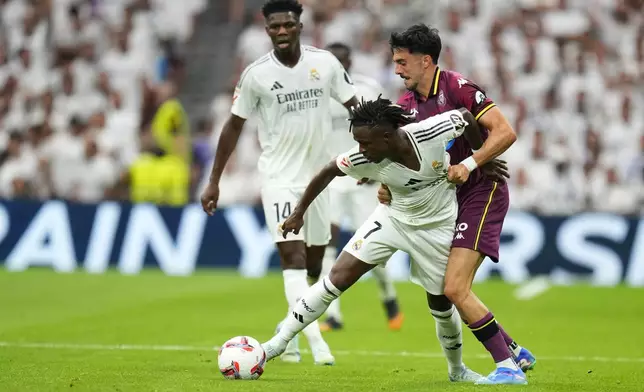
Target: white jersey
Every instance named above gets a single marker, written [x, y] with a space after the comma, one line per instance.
[341, 139]
[293, 106]
[418, 197]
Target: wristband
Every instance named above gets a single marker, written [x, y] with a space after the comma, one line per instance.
[469, 163]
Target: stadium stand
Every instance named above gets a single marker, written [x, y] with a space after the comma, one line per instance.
[82, 83]
[568, 74]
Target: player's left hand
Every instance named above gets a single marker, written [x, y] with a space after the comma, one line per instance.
[292, 224]
[496, 170]
[458, 174]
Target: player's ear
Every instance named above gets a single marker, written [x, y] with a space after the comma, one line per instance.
[427, 61]
[386, 135]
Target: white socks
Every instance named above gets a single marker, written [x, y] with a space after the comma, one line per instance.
[330, 255]
[295, 286]
[448, 331]
[387, 290]
[308, 309]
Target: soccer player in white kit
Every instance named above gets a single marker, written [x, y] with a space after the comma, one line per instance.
[290, 89]
[353, 203]
[420, 220]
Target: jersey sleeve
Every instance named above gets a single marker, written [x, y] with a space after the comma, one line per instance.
[468, 95]
[244, 99]
[353, 163]
[342, 87]
[438, 129]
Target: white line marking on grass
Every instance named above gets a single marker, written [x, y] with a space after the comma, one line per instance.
[532, 289]
[367, 353]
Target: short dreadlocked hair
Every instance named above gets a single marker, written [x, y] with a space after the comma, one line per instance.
[274, 6]
[379, 112]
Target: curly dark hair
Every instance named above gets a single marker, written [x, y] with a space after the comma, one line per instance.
[379, 112]
[274, 6]
[419, 38]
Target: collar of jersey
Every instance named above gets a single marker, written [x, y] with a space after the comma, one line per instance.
[433, 90]
[279, 63]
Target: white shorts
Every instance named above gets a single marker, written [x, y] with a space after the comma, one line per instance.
[428, 246]
[278, 204]
[353, 205]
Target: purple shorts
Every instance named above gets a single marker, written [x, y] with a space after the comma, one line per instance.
[481, 211]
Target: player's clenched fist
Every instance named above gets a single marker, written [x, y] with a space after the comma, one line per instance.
[292, 224]
[458, 174]
[384, 195]
[209, 198]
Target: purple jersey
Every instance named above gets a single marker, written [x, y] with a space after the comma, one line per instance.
[450, 90]
[482, 202]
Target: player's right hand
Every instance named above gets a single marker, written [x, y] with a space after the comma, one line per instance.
[292, 224]
[384, 195]
[209, 198]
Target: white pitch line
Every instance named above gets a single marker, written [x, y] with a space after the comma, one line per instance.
[368, 353]
[532, 289]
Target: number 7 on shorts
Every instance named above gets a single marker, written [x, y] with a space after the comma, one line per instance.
[378, 227]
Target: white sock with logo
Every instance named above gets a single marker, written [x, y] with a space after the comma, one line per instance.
[307, 310]
[295, 286]
[449, 333]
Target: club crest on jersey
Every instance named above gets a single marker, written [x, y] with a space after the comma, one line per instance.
[479, 97]
[457, 120]
[314, 74]
[436, 165]
[441, 98]
[357, 245]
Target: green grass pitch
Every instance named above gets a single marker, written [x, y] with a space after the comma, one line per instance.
[150, 332]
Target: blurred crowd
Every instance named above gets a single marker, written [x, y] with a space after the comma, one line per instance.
[569, 75]
[87, 100]
[88, 108]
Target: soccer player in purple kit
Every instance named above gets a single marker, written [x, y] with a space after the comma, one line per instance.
[483, 203]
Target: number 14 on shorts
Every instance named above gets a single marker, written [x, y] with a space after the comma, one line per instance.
[283, 212]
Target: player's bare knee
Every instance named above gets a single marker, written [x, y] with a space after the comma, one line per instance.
[456, 292]
[314, 257]
[292, 255]
[438, 302]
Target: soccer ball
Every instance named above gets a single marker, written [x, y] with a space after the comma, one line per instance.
[241, 358]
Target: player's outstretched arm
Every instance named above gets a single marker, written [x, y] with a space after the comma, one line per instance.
[321, 180]
[227, 143]
[501, 136]
[496, 169]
